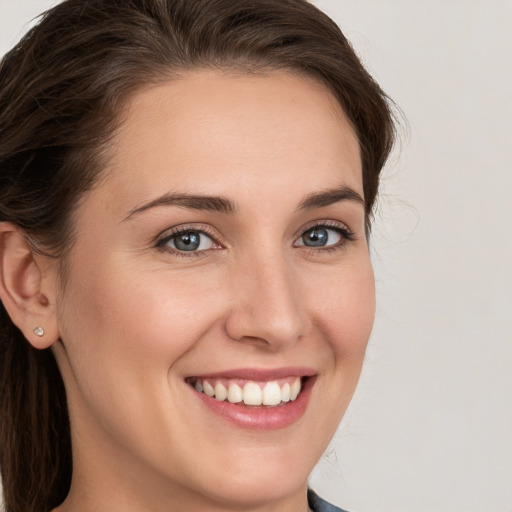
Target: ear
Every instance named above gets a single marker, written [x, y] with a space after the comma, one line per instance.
[27, 288]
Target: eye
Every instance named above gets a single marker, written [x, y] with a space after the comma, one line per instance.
[323, 236]
[187, 240]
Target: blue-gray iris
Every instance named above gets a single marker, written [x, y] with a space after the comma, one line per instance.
[315, 237]
[188, 241]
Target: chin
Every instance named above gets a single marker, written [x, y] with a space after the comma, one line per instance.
[255, 488]
[267, 474]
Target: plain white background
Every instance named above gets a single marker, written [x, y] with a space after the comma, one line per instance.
[430, 427]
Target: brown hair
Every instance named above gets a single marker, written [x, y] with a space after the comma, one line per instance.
[61, 91]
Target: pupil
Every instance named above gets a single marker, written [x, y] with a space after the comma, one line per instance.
[315, 237]
[187, 241]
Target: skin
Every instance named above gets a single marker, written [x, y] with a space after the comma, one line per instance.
[136, 319]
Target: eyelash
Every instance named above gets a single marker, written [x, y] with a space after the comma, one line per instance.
[202, 230]
[347, 236]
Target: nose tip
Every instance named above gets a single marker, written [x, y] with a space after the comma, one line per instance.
[266, 307]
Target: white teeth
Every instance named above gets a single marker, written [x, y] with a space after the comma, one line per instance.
[271, 394]
[221, 393]
[295, 389]
[285, 393]
[252, 394]
[235, 394]
[208, 388]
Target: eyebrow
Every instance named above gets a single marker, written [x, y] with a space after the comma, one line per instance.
[223, 205]
[193, 202]
[328, 197]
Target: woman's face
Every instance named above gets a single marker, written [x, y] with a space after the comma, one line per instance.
[225, 250]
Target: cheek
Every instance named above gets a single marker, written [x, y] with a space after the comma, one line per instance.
[345, 314]
[132, 317]
[124, 331]
[348, 311]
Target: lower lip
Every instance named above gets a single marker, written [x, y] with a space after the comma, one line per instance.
[260, 417]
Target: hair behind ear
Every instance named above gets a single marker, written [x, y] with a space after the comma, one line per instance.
[34, 424]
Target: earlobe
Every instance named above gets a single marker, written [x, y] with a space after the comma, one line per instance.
[21, 289]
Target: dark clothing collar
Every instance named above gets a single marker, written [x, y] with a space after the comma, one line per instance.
[317, 504]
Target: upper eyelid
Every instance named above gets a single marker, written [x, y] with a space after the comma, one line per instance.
[329, 223]
[176, 230]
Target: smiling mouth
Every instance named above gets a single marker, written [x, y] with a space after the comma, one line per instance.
[250, 392]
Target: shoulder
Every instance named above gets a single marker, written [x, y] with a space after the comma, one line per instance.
[317, 504]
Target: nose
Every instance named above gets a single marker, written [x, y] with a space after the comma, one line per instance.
[267, 306]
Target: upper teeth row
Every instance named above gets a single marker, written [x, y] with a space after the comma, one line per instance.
[251, 393]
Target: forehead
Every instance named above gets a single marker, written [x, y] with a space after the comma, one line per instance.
[211, 130]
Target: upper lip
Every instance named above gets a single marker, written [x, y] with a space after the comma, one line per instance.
[260, 374]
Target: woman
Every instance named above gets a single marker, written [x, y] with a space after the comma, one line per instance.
[186, 194]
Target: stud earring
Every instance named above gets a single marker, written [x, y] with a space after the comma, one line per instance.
[39, 331]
